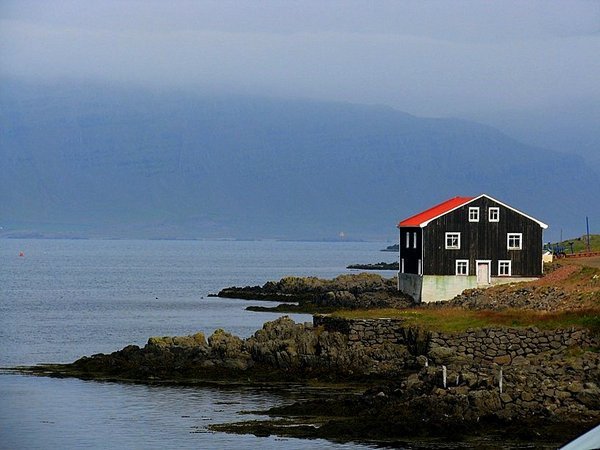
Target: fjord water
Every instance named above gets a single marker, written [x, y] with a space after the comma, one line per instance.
[67, 298]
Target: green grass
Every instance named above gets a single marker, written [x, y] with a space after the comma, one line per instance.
[580, 243]
[455, 319]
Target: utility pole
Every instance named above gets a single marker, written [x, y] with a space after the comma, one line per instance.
[587, 226]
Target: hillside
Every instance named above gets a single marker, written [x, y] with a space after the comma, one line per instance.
[579, 244]
[91, 160]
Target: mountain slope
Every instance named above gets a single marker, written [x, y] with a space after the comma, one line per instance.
[128, 162]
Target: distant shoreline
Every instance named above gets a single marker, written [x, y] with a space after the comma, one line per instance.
[376, 266]
[41, 236]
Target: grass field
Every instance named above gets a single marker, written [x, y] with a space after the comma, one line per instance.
[457, 319]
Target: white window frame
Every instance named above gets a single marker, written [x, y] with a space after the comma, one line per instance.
[466, 265]
[508, 264]
[415, 239]
[473, 213]
[420, 267]
[496, 212]
[407, 240]
[401, 265]
[448, 235]
[518, 236]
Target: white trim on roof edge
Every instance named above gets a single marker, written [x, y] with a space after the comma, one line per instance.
[540, 223]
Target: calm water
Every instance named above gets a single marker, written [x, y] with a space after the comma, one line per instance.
[68, 298]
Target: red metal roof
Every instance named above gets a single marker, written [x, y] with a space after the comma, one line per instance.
[436, 211]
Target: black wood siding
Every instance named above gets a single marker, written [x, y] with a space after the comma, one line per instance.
[410, 254]
[482, 240]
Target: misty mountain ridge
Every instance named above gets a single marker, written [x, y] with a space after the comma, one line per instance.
[121, 162]
[571, 127]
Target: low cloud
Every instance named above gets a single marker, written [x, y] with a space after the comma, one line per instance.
[423, 57]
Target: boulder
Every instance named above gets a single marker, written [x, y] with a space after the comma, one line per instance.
[441, 355]
[502, 360]
[485, 402]
[225, 344]
[195, 340]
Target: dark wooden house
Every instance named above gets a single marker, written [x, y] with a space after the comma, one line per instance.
[467, 242]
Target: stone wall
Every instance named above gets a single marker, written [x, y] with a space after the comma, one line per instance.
[491, 345]
[503, 345]
[507, 372]
[368, 332]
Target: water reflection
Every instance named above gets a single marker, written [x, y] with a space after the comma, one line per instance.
[70, 413]
[67, 299]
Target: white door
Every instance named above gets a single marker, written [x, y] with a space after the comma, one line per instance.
[483, 272]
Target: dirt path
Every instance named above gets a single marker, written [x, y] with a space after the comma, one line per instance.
[556, 276]
[593, 261]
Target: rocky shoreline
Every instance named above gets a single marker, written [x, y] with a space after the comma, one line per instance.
[281, 351]
[416, 383]
[401, 381]
[376, 266]
[315, 295]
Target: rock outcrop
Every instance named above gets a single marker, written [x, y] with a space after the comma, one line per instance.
[420, 382]
[352, 291]
[545, 386]
[505, 372]
[281, 350]
[376, 266]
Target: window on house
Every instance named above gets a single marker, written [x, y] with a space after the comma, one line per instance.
[474, 214]
[452, 241]
[415, 239]
[462, 267]
[494, 214]
[402, 265]
[420, 267]
[514, 241]
[407, 240]
[504, 268]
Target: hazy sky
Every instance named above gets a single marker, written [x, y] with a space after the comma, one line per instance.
[429, 58]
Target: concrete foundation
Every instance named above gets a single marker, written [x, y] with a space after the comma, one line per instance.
[440, 287]
[410, 284]
[435, 288]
